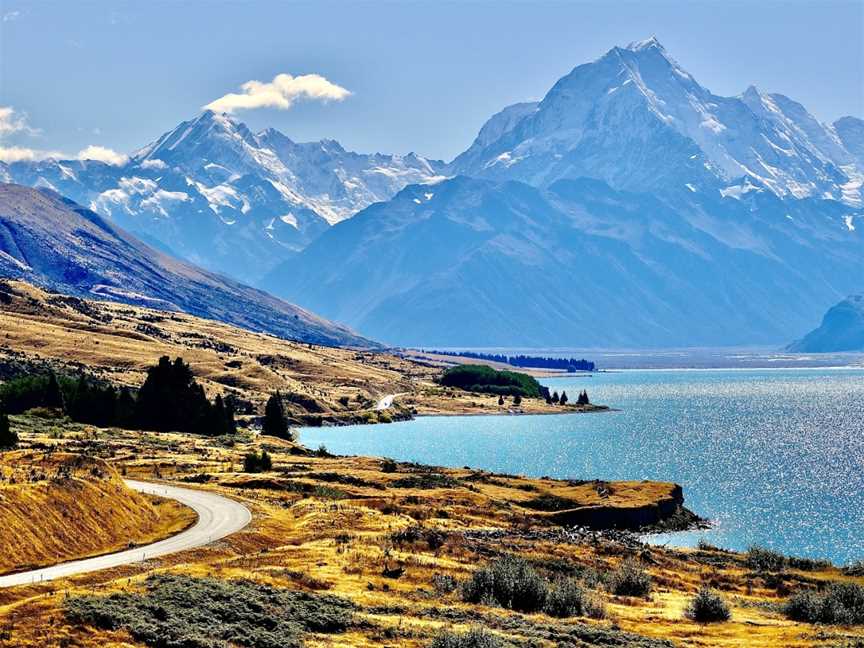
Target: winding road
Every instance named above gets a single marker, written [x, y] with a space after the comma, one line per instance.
[217, 517]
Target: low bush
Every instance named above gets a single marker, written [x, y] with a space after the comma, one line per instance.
[256, 463]
[509, 582]
[630, 579]
[838, 604]
[189, 612]
[474, 638]
[708, 607]
[764, 560]
[568, 598]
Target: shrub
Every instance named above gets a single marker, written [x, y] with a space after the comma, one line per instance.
[840, 603]
[255, 463]
[474, 638]
[568, 598]
[192, 612]
[765, 560]
[509, 582]
[483, 379]
[630, 579]
[708, 607]
[444, 583]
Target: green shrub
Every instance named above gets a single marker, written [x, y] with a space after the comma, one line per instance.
[255, 463]
[567, 598]
[630, 579]
[509, 582]
[765, 560]
[182, 611]
[483, 379]
[708, 607]
[474, 638]
[840, 604]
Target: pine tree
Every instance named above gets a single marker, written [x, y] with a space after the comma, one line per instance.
[564, 398]
[53, 395]
[517, 400]
[555, 397]
[8, 439]
[124, 409]
[275, 423]
[500, 400]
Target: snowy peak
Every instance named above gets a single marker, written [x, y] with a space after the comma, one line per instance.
[635, 109]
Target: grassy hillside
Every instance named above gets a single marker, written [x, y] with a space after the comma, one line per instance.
[56, 506]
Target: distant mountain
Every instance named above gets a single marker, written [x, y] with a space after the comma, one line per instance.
[842, 329]
[228, 199]
[472, 262]
[52, 242]
[637, 120]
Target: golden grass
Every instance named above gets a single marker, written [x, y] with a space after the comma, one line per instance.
[56, 507]
[326, 524]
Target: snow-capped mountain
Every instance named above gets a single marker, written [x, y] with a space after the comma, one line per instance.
[221, 196]
[637, 120]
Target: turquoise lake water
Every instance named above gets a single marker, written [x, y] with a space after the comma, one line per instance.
[773, 457]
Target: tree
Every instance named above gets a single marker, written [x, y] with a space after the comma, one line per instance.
[53, 396]
[500, 400]
[517, 400]
[275, 423]
[564, 398]
[124, 409]
[254, 463]
[555, 398]
[171, 400]
[583, 398]
[8, 439]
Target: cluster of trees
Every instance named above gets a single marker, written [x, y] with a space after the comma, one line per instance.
[536, 362]
[275, 422]
[553, 398]
[169, 400]
[485, 380]
[8, 438]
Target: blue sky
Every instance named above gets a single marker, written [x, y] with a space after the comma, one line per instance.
[423, 76]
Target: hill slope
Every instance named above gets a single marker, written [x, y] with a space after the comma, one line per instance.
[53, 242]
[842, 329]
[482, 263]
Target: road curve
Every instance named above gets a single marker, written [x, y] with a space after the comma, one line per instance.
[385, 402]
[217, 517]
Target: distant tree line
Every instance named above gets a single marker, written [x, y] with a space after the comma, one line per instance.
[169, 400]
[537, 362]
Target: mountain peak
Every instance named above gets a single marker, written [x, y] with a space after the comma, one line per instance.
[647, 44]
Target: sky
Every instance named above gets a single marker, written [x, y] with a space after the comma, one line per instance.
[390, 77]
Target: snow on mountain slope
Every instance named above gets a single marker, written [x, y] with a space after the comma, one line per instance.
[223, 197]
[606, 118]
[52, 242]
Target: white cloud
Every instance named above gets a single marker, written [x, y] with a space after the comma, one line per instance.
[102, 154]
[22, 154]
[12, 121]
[9, 16]
[280, 93]
[153, 164]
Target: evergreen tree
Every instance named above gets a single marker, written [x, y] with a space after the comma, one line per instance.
[564, 398]
[8, 439]
[275, 423]
[53, 396]
[555, 398]
[500, 400]
[171, 400]
[517, 400]
[124, 409]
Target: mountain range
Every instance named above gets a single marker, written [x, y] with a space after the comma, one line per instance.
[52, 242]
[225, 198]
[629, 206]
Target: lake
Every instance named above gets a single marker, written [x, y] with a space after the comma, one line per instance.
[773, 457]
